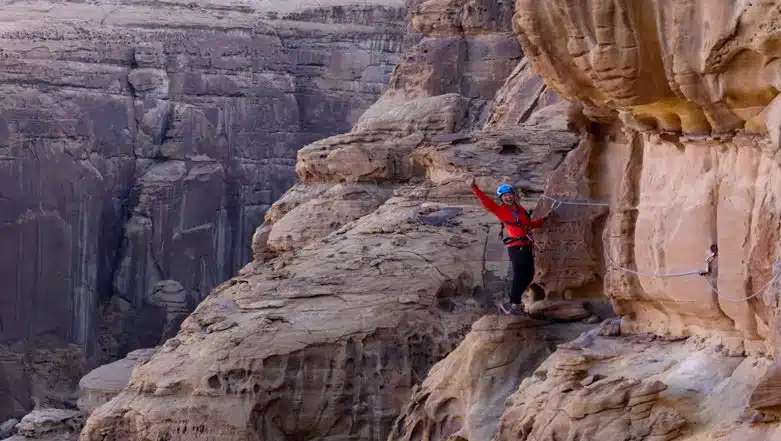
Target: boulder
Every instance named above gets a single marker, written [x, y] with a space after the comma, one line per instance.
[8, 428]
[50, 424]
[103, 383]
[559, 310]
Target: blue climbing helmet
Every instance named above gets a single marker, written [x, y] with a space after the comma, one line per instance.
[504, 189]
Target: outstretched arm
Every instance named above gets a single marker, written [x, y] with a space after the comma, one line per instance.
[537, 223]
[486, 200]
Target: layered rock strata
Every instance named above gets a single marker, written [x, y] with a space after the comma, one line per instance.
[464, 395]
[685, 151]
[49, 425]
[685, 155]
[372, 267]
[638, 388]
[141, 143]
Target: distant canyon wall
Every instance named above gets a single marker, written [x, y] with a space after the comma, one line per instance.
[141, 143]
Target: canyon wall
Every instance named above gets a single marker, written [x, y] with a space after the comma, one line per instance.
[686, 153]
[141, 143]
[374, 265]
[684, 147]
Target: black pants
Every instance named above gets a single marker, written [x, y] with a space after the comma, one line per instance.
[522, 259]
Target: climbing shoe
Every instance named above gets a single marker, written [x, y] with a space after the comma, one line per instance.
[512, 309]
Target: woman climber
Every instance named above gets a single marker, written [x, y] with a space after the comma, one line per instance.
[516, 220]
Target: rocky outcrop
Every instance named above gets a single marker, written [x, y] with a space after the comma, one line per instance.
[324, 335]
[683, 149]
[141, 143]
[8, 428]
[463, 396]
[638, 387]
[685, 152]
[49, 425]
[39, 374]
[678, 67]
[105, 382]
[672, 211]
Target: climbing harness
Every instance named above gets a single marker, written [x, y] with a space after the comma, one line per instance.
[527, 238]
[556, 203]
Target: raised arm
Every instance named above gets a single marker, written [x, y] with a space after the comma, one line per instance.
[487, 201]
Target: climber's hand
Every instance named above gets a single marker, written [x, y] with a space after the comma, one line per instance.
[472, 181]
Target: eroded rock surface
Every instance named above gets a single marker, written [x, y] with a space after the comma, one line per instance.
[39, 374]
[326, 332]
[142, 142]
[684, 154]
[8, 428]
[464, 395]
[691, 67]
[681, 159]
[105, 382]
[49, 425]
[684, 149]
[639, 388]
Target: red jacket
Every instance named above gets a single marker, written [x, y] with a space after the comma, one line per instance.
[515, 218]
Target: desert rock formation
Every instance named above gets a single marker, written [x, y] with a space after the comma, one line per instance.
[373, 266]
[685, 150]
[105, 382]
[141, 143]
[464, 395]
[49, 425]
[636, 387]
[677, 189]
[354, 317]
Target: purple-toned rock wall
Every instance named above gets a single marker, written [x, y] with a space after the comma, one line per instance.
[142, 143]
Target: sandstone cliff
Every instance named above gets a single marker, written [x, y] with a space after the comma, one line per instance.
[140, 145]
[374, 265]
[686, 152]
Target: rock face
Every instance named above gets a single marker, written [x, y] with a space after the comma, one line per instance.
[681, 67]
[39, 375]
[49, 425]
[463, 396]
[373, 266]
[142, 143]
[637, 388]
[684, 148]
[104, 383]
[325, 333]
[685, 154]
